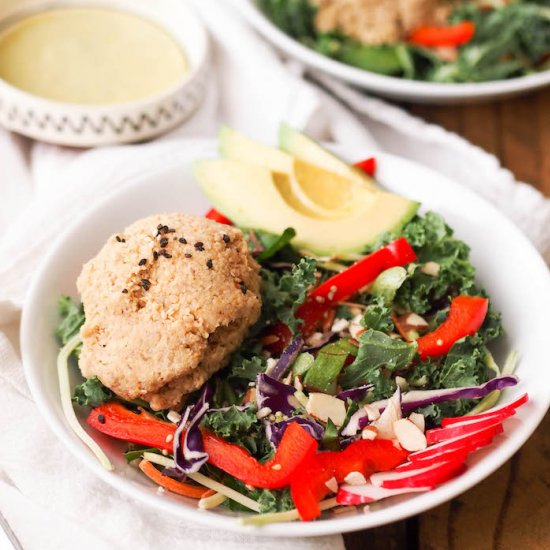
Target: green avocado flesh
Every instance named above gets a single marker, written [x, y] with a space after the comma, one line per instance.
[249, 196]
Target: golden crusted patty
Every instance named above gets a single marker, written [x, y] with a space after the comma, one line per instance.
[167, 301]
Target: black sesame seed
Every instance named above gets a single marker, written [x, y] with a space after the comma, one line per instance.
[187, 255]
[146, 284]
[163, 242]
[124, 291]
[171, 230]
[159, 226]
[143, 261]
[165, 229]
[166, 255]
[182, 240]
[120, 240]
[199, 246]
[155, 255]
[243, 287]
[209, 264]
[226, 238]
[101, 418]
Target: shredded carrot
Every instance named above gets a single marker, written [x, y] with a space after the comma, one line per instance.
[172, 485]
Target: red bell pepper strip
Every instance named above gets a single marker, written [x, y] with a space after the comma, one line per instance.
[368, 166]
[348, 282]
[308, 484]
[296, 445]
[216, 216]
[449, 36]
[465, 318]
[141, 427]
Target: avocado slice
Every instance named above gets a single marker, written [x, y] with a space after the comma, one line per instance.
[236, 146]
[308, 150]
[316, 191]
[248, 195]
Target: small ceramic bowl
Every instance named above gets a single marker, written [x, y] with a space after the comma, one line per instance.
[90, 125]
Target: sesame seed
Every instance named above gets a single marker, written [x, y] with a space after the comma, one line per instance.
[163, 242]
[169, 438]
[159, 226]
[209, 264]
[182, 240]
[143, 261]
[165, 229]
[146, 284]
[199, 246]
[101, 419]
[243, 287]
[187, 255]
[226, 238]
[171, 230]
[124, 291]
[276, 467]
[165, 254]
[120, 239]
[155, 255]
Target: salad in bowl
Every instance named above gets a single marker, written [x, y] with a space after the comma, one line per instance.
[311, 343]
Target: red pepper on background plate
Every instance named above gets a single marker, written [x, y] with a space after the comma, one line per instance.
[216, 216]
[296, 445]
[465, 318]
[448, 36]
[368, 166]
[308, 484]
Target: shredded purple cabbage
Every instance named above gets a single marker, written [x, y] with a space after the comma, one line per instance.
[274, 431]
[275, 395]
[415, 399]
[191, 456]
[287, 358]
[355, 394]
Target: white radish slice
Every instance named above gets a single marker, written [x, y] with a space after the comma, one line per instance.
[507, 409]
[460, 428]
[422, 477]
[362, 494]
[410, 436]
[467, 442]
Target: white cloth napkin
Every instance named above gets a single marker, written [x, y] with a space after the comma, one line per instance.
[49, 499]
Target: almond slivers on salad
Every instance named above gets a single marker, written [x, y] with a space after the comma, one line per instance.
[311, 343]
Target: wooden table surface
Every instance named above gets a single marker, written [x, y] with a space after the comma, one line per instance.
[511, 508]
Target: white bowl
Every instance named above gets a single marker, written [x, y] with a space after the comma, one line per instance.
[389, 86]
[508, 266]
[90, 125]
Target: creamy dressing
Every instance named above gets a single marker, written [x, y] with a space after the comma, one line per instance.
[90, 56]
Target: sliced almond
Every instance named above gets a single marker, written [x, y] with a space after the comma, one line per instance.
[355, 478]
[370, 432]
[409, 435]
[414, 320]
[332, 485]
[431, 268]
[372, 412]
[418, 420]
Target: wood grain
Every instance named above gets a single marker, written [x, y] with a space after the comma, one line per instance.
[511, 508]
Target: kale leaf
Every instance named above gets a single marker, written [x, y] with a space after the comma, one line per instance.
[377, 351]
[91, 393]
[283, 293]
[377, 316]
[72, 318]
[433, 241]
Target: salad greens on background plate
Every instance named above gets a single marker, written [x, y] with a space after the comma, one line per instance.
[431, 51]
[384, 354]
